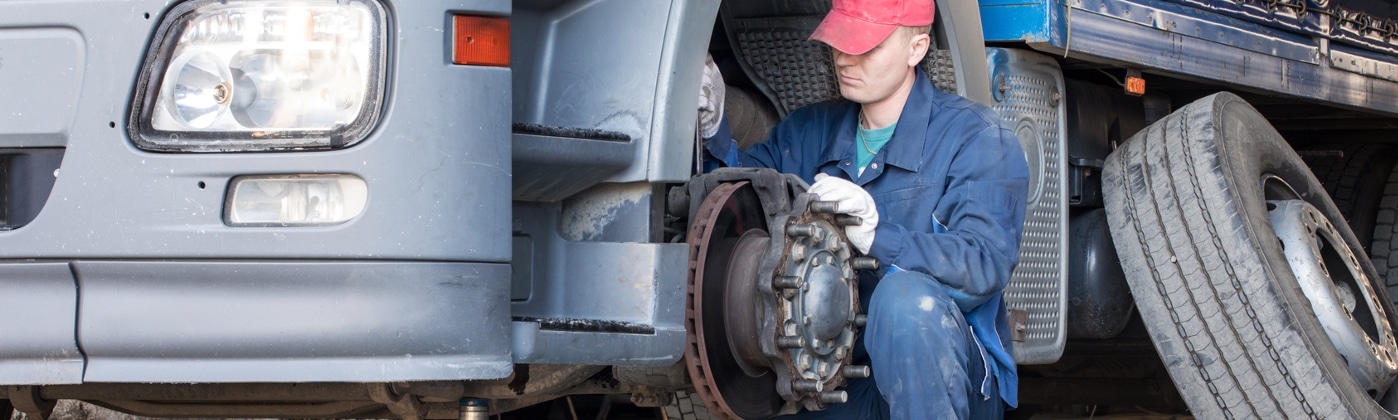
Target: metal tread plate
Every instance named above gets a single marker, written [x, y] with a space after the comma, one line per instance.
[1027, 88]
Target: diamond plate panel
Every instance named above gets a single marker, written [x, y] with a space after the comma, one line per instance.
[1027, 88]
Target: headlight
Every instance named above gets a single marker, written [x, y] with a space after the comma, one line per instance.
[262, 75]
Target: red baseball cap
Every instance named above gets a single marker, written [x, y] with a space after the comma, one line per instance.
[857, 26]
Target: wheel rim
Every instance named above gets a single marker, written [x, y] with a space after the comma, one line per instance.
[1341, 295]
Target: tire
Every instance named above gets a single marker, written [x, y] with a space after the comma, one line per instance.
[1188, 206]
[1363, 181]
[1384, 248]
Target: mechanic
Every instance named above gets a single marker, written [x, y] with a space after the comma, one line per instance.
[941, 187]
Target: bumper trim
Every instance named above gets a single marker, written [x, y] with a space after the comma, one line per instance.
[276, 321]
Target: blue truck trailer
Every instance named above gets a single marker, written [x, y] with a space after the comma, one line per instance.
[458, 208]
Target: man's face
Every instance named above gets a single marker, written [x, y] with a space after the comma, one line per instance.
[877, 74]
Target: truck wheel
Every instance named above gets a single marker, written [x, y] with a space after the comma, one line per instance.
[1363, 181]
[1259, 301]
[686, 405]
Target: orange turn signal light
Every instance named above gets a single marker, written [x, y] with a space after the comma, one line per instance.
[481, 41]
[1135, 84]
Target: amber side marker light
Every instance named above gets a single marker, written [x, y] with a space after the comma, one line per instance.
[481, 41]
[1135, 85]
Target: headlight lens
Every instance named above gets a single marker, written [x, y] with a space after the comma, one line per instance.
[262, 75]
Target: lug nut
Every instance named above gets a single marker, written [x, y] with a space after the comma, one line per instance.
[855, 371]
[825, 206]
[806, 385]
[787, 282]
[834, 397]
[791, 342]
[864, 263]
[801, 230]
[861, 320]
[847, 220]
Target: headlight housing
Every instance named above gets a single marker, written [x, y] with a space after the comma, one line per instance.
[242, 75]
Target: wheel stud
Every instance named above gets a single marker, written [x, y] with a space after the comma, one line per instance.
[864, 263]
[787, 282]
[861, 320]
[834, 397]
[791, 342]
[825, 206]
[801, 230]
[806, 385]
[847, 220]
[855, 371]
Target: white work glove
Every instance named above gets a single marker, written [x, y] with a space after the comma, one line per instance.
[853, 200]
[710, 99]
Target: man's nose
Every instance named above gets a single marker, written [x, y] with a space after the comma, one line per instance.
[841, 59]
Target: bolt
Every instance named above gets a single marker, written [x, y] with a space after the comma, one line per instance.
[801, 230]
[787, 282]
[822, 369]
[856, 371]
[861, 320]
[834, 397]
[840, 353]
[847, 220]
[791, 342]
[864, 263]
[805, 385]
[825, 206]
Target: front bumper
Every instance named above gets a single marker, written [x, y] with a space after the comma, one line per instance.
[253, 321]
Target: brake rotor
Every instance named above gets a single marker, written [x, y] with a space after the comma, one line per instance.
[720, 378]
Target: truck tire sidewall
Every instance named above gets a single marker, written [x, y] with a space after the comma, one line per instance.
[1256, 148]
[1246, 147]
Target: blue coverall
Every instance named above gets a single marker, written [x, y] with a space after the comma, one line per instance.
[950, 190]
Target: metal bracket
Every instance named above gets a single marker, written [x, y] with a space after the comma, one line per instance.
[28, 401]
[406, 406]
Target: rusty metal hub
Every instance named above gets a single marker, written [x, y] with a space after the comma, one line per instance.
[773, 309]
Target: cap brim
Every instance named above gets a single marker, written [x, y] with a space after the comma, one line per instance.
[849, 34]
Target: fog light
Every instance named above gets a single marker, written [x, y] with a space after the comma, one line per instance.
[294, 200]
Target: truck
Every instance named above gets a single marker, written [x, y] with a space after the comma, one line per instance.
[460, 208]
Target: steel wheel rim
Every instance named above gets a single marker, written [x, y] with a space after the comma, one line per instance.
[1340, 294]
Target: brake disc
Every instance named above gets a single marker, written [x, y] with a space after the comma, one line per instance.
[772, 314]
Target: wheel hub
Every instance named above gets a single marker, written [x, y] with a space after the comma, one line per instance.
[1340, 293]
[773, 313]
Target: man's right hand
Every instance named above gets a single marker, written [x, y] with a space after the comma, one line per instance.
[853, 200]
[711, 91]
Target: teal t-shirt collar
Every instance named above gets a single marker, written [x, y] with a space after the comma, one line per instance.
[869, 142]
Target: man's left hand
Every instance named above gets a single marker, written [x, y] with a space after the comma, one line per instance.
[853, 200]
[711, 92]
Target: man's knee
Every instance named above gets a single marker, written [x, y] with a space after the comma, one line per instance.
[907, 294]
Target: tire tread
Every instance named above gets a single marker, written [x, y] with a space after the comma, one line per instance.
[1196, 287]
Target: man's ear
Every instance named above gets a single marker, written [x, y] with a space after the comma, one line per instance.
[919, 45]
